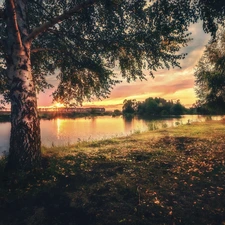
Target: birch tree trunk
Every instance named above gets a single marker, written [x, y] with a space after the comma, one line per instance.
[24, 152]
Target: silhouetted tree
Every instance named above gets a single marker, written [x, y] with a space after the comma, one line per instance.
[177, 109]
[210, 75]
[129, 106]
[116, 112]
[159, 107]
[151, 106]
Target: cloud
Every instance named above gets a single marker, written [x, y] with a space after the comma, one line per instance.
[169, 83]
[176, 83]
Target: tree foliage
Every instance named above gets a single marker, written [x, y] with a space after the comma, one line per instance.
[83, 46]
[83, 40]
[210, 74]
[129, 106]
[211, 12]
[153, 107]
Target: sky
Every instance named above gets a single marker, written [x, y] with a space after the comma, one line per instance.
[170, 84]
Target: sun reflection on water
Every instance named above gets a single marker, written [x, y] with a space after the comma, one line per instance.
[59, 127]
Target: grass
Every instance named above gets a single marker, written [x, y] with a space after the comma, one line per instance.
[167, 176]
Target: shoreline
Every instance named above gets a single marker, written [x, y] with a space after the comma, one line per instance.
[5, 116]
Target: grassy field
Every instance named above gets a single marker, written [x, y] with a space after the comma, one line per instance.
[168, 176]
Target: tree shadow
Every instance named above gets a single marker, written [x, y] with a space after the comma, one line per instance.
[160, 186]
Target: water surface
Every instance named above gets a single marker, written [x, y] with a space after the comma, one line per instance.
[63, 132]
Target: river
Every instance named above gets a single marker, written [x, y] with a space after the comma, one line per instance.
[64, 132]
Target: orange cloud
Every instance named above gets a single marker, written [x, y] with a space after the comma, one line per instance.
[175, 83]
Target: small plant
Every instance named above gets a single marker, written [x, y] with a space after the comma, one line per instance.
[189, 122]
[153, 126]
[136, 131]
[208, 118]
[164, 125]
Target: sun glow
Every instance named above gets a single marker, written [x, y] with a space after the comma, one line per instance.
[58, 105]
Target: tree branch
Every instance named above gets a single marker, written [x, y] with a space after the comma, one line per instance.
[59, 18]
[14, 21]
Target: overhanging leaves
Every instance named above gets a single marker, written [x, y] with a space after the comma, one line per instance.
[92, 36]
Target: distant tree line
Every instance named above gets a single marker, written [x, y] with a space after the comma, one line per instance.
[153, 107]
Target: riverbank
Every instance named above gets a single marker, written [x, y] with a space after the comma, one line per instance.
[50, 115]
[168, 176]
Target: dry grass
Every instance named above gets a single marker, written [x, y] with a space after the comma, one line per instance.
[169, 176]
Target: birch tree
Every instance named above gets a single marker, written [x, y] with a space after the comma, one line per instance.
[81, 40]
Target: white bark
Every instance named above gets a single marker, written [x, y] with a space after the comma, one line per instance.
[24, 152]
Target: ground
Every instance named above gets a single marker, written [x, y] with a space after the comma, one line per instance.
[168, 176]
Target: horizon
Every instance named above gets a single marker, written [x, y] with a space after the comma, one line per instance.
[172, 84]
